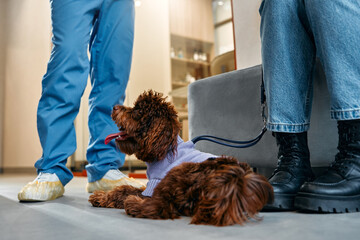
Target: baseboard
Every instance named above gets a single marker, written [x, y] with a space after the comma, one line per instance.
[22, 170]
[131, 164]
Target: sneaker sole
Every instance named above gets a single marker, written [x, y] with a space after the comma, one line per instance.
[327, 204]
[29, 199]
[282, 202]
[38, 200]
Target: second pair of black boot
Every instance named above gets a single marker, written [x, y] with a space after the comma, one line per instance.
[337, 190]
[292, 171]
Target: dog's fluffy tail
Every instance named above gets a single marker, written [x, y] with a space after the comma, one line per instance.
[234, 195]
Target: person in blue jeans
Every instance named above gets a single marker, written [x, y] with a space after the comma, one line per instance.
[294, 33]
[106, 28]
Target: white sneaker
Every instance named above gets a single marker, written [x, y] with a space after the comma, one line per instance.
[111, 179]
[45, 187]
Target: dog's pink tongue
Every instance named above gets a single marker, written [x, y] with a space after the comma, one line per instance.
[113, 136]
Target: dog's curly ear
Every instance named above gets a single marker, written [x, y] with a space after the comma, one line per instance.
[159, 126]
[162, 138]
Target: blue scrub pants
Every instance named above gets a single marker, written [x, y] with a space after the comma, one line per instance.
[107, 27]
[293, 33]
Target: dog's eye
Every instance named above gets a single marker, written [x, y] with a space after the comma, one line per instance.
[136, 114]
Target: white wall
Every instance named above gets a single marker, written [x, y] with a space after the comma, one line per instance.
[247, 32]
[2, 73]
[151, 56]
[28, 36]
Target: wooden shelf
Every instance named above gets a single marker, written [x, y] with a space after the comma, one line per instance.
[179, 92]
[191, 42]
[190, 61]
[182, 113]
[177, 84]
[191, 34]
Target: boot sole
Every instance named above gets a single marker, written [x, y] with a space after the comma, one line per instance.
[282, 202]
[327, 204]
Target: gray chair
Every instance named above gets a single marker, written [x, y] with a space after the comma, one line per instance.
[228, 105]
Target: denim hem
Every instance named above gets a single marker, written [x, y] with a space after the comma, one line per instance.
[345, 114]
[289, 128]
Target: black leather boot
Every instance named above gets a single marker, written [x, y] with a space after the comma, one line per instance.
[338, 189]
[292, 171]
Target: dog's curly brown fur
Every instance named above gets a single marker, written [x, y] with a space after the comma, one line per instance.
[151, 125]
[219, 191]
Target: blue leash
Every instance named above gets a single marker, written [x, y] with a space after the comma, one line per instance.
[240, 144]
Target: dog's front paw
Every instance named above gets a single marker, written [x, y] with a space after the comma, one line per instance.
[98, 199]
[132, 206]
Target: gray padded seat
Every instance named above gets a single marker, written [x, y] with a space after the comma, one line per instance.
[228, 105]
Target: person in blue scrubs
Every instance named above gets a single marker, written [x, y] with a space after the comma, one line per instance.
[106, 29]
[294, 33]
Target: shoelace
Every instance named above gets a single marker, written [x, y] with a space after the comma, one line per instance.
[286, 164]
[341, 164]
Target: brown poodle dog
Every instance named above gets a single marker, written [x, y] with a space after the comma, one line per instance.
[182, 180]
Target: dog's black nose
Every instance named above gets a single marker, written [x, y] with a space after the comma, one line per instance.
[116, 107]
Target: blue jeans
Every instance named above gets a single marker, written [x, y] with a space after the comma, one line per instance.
[107, 27]
[293, 34]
